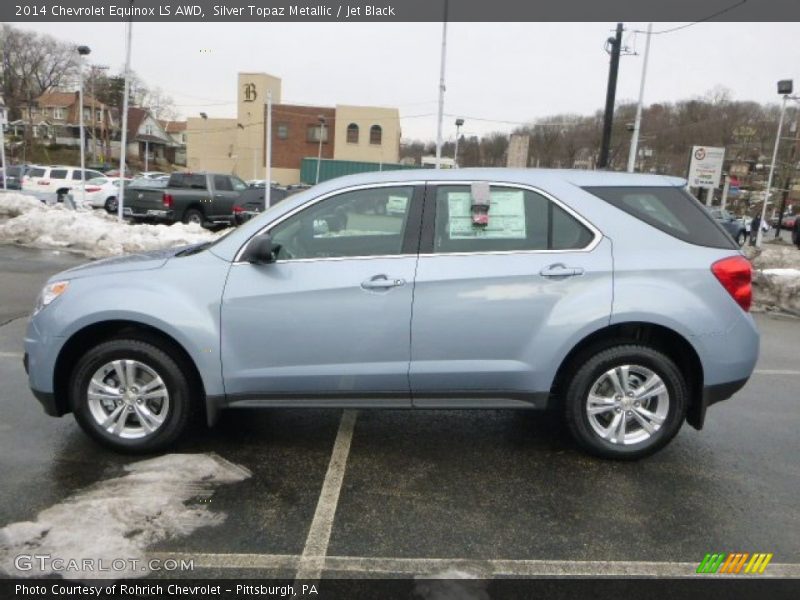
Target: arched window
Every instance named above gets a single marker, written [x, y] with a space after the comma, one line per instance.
[352, 133]
[375, 134]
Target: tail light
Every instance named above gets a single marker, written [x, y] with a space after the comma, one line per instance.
[237, 210]
[735, 273]
[93, 189]
[166, 199]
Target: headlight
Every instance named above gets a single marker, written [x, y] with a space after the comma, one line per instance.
[50, 292]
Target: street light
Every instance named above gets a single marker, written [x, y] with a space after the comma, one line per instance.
[321, 135]
[459, 123]
[82, 51]
[785, 88]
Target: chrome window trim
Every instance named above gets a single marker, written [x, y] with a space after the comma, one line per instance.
[309, 204]
[598, 235]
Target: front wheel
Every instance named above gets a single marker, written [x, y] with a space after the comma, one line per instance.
[741, 238]
[625, 402]
[111, 205]
[130, 396]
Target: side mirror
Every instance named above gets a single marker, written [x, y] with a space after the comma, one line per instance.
[261, 250]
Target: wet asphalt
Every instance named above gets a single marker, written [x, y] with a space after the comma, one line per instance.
[442, 484]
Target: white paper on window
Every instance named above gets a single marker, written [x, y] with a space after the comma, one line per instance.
[506, 216]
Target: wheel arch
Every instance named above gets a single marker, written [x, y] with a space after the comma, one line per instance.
[95, 333]
[659, 337]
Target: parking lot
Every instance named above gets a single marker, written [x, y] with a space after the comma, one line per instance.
[402, 493]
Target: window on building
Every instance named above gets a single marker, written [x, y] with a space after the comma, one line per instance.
[375, 135]
[352, 133]
[283, 131]
[58, 113]
[317, 131]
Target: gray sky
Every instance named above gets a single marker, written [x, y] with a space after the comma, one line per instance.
[512, 72]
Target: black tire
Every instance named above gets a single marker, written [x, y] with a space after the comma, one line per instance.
[180, 409]
[588, 370]
[741, 238]
[192, 215]
[111, 205]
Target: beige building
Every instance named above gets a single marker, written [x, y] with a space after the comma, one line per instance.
[359, 133]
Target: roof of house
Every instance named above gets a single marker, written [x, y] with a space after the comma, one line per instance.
[173, 126]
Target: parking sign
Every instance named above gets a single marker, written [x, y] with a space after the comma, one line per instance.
[705, 168]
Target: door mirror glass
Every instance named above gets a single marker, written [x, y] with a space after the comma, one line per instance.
[261, 250]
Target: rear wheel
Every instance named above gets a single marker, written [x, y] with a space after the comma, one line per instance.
[741, 238]
[111, 205]
[193, 215]
[130, 396]
[625, 402]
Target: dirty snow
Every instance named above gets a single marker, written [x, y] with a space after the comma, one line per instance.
[119, 518]
[776, 277]
[93, 233]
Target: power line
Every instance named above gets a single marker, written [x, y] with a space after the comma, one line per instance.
[703, 20]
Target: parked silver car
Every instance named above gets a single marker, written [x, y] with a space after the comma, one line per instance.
[613, 298]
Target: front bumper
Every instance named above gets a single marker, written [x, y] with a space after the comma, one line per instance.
[46, 399]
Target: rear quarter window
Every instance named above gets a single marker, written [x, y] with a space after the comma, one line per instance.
[672, 210]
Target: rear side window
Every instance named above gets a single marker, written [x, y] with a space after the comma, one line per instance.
[672, 210]
[36, 172]
[58, 174]
[519, 220]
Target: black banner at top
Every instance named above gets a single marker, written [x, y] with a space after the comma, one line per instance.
[398, 10]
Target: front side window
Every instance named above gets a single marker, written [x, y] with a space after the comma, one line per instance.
[369, 222]
[518, 220]
[238, 184]
[222, 183]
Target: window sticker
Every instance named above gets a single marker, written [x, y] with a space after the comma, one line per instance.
[506, 216]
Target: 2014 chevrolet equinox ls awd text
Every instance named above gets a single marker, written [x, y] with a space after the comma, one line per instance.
[614, 298]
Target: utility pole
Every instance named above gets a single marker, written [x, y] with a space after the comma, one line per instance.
[615, 44]
[124, 120]
[441, 90]
[789, 173]
[637, 124]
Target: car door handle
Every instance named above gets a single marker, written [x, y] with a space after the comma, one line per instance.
[560, 270]
[381, 282]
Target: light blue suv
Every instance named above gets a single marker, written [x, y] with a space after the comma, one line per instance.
[613, 298]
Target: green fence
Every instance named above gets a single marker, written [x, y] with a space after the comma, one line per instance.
[329, 168]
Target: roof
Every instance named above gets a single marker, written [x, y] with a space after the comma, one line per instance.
[65, 99]
[172, 126]
[135, 117]
[576, 177]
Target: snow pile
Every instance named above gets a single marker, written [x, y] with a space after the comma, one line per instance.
[93, 233]
[13, 204]
[776, 277]
[116, 520]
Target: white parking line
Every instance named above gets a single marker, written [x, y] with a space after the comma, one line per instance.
[319, 534]
[436, 567]
[776, 372]
[11, 355]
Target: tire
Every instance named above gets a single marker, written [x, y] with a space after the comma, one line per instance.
[741, 238]
[591, 375]
[167, 415]
[111, 205]
[192, 215]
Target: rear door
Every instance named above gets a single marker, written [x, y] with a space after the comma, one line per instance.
[495, 304]
[225, 195]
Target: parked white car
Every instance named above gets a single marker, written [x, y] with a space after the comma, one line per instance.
[55, 179]
[101, 192]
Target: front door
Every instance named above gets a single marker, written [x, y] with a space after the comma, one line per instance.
[331, 318]
[496, 302]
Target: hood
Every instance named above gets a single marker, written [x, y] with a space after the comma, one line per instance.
[143, 261]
